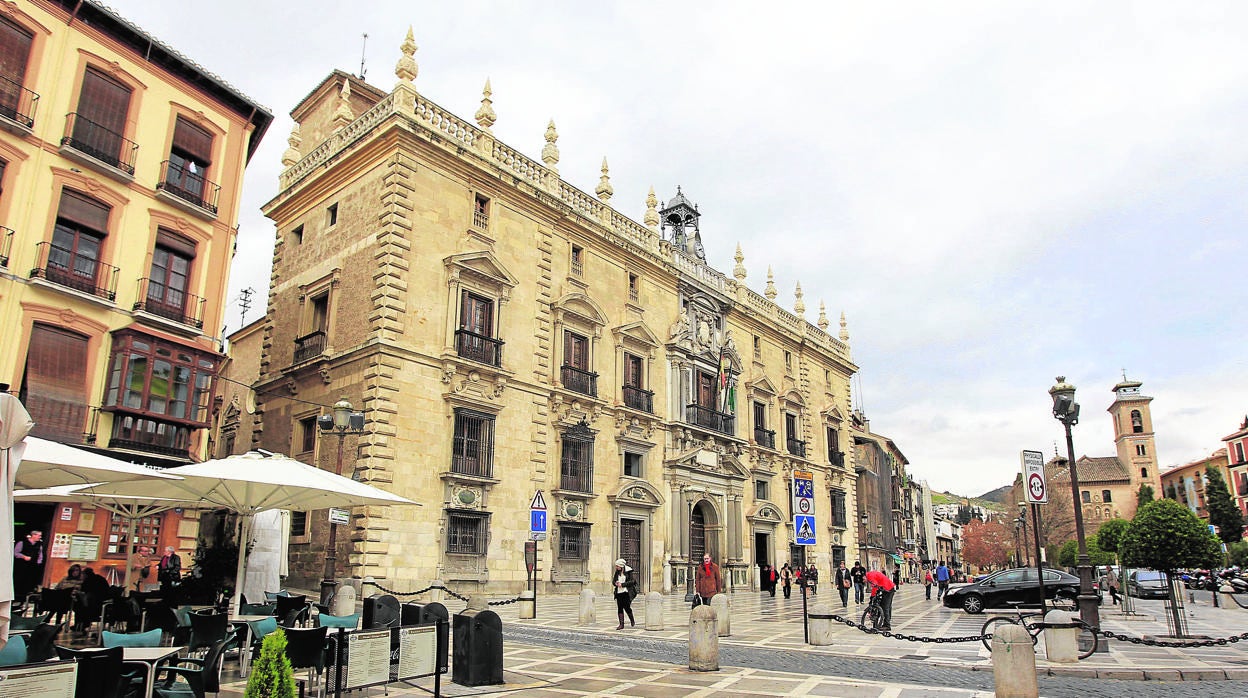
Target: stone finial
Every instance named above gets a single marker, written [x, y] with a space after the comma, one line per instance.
[652, 211]
[485, 116]
[771, 291]
[844, 334]
[550, 151]
[292, 156]
[738, 272]
[799, 305]
[823, 317]
[406, 68]
[342, 113]
[604, 190]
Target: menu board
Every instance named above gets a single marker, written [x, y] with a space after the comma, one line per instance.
[84, 547]
[60, 546]
[47, 680]
[368, 658]
[418, 651]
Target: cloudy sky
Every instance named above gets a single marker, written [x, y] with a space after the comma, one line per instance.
[993, 193]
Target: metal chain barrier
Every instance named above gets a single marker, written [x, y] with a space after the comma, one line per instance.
[440, 587]
[911, 638]
[1223, 641]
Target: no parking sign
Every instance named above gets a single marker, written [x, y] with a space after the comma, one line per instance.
[1033, 477]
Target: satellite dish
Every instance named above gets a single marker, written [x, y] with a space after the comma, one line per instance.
[249, 403]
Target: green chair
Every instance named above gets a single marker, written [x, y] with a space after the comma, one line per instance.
[206, 678]
[350, 622]
[150, 638]
[14, 651]
[259, 629]
[257, 609]
[28, 622]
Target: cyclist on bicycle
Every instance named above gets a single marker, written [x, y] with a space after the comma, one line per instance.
[883, 586]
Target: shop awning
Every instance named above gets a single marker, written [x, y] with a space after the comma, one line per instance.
[895, 556]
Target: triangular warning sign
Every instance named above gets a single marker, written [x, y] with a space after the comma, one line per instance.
[804, 531]
[538, 502]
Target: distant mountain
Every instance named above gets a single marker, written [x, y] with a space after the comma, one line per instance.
[994, 500]
[1000, 495]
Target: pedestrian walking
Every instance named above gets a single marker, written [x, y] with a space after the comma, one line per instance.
[769, 580]
[706, 581]
[1110, 581]
[843, 582]
[811, 578]
[927, 583]
[942, 580]
[896, 576]
[858, 574]
[883, 587]
[625, 586]
[786, 579]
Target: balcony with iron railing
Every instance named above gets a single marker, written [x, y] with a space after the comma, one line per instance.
[765, 437]
[64, 267]
[99, 144]
[579, 380]
[171, 304]
[837, 458]
[480, 465]
[577, 478]
[638, 399]
[17, 104]
[479, 348]
[310, 346]
[58, 419]
[187, 187]
[708, 418]
[6, 245]
[796, 447]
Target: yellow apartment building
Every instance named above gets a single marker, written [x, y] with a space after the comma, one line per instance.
[121, 166]
[506, 334]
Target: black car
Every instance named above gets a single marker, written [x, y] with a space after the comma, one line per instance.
[1019, 585]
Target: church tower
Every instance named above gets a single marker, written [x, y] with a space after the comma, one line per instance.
[1133, 437]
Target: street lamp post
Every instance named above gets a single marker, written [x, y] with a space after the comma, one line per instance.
[1066, 411]
[344, 420]
[1021, 524]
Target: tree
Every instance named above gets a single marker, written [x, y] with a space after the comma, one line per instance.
[1144, 495]
[1167, 536]
[963, 516]
[1237, 553]
[1068, 555]
[1222, 510]
[1109, 536]
[271, 674]
[987, 543]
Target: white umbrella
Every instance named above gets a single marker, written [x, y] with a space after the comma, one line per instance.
[255, 482]
[51, 464]
[129, 508]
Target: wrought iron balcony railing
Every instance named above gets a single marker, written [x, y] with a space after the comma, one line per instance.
[639, 399]
[579, 380]
[99, 143]
[765, 437]
[67, 268]
[310, 346]
[179, 306]
[188, 186]
[796, 447]
[17, 104]
[710, 419]
[478, 347]
[837, 458]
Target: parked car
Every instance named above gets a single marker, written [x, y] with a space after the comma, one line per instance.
[1019, 585]
[1147, 584]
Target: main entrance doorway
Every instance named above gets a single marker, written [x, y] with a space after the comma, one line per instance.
[697, 534]
[630, 547]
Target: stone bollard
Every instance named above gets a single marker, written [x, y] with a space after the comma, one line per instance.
[528, 605]
[654, 611]
[1061, 644]
[586, 614]
[437, 594]
[723, 614]
[344, 601]
[1014, 663]
[703, 639]
[667, 576]
[821, 628]
[478, 602]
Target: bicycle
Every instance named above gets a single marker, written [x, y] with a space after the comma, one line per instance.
[874, 614]
[1033, 623]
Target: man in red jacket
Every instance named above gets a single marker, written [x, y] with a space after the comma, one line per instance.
[882, 585]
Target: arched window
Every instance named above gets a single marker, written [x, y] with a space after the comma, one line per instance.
[1143, 472]
[1137, 422]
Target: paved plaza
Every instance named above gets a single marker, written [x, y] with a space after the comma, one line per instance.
[765, 656]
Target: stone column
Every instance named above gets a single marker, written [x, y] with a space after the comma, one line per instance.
[723, 614]
[586, 609]
[703, 640]
[1060, 644]
[1014, 663]
[821, 628]
[654, 611]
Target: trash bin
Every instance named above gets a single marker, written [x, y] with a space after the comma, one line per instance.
[380, 611]
[478, 653]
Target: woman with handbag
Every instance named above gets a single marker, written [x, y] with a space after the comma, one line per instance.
[843, 583]
[624, 584]
[786, 579]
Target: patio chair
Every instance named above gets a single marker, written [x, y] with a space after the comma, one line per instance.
[293, 610]
[14, 651]
[257, 609]
[259, 629]
[150, 638]
[28, 622]
[305, 648]
[58, 601]
[199, 676]
[41, 644]
[207, 628]
[350, 622]
[271, 596]
[102, 673]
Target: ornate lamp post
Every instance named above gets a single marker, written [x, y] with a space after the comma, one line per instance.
[1020, 525]
[1066, 411]
[344, 420]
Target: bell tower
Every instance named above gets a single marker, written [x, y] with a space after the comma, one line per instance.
[681, 215]
[1133, 435]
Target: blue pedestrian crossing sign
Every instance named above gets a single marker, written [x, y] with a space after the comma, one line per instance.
[805, 529]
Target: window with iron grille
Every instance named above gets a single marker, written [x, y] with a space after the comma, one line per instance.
[466, 532]
[838, 508]
[573, 542]
[298, 523]
[576, 465]
[472, 447]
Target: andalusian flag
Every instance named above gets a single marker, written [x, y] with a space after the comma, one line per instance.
[727, 386]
